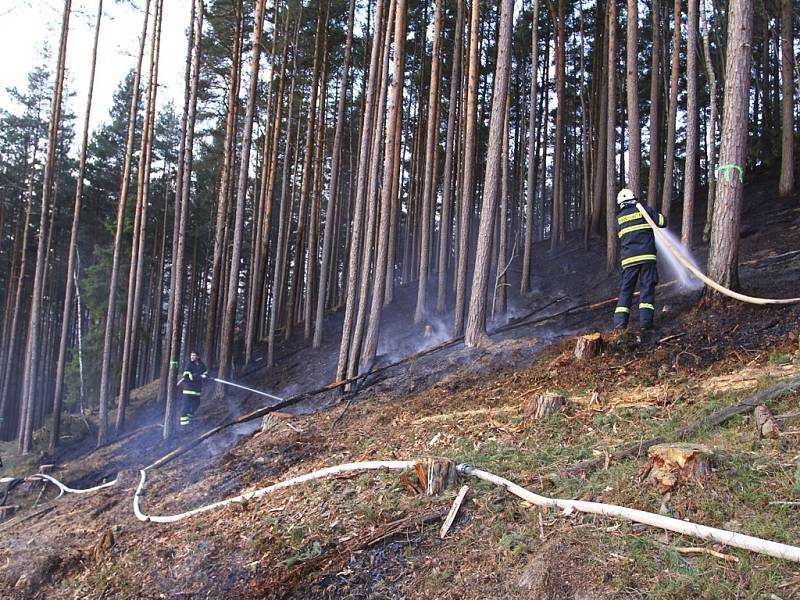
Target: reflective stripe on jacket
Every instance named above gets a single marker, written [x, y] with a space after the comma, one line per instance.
[638, 244]
[193, 378]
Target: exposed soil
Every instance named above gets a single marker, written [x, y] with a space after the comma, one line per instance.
[366, 535]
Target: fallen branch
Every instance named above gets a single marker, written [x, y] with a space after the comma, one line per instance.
[342, 552]
[451, 516]
[260, 412]
[712, 420]
[709, 551]
[729, 538]
[321, 473]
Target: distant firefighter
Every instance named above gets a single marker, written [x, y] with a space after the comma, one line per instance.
[194, 372]
[639, 257]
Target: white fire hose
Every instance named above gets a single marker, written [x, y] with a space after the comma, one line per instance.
[702, 277]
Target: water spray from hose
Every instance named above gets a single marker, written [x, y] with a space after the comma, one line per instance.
[661, 237]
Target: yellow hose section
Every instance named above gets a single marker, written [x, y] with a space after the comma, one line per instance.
[702, 277]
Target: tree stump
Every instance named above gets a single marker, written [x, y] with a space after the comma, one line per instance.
[674, 464]
[544, 406]
[441, 474]
[766, 425]
[589, 346]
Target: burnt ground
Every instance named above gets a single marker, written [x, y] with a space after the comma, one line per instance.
[366, 535]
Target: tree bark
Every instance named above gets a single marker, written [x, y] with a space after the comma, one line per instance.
[449, 176]
[711, 130]
[231, 301]
[368, 250]
[632, 86]
[476, 320]
[283, 225]
[32, 350]
[669, 169]
[336, 157]
[690, 168]
[786, 182]
[468, 183]
[390, 155]
[135, 275]
[223, 198]
[105, 372]
[611, 138]
[654, 123]
[530, 190]
[364, 150]
[182, 208]
[305, 184]
[428, 175]
[73, 240]
[723, 258]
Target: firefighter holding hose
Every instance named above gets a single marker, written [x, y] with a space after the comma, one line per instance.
[194, 372]
[638, 254]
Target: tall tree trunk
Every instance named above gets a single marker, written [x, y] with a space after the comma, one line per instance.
[786, 182]
[530, 190]
[364, 150]
[181, 216]
[711, 130]
[283, 212]
[262, 263]
[172, 317]
[654, 123]
[557, 225]
[632, 86]
[586, 148]
[105, 371]
[73, 241]
[598, 189]
[611, 138]
[690, 168]
[669, 169]
[223, 198]
[229, 313]
[8, 371]
[314, 223]
[429, 178]
[449, 179]
[300, 242]
[501, 280]
[723, 258]
[476, 319]
[32, 350]
[333, 187]
[392, 143]
[368, 250]
[135, 276]
[468, 183]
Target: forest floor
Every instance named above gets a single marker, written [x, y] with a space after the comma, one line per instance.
[368, 535]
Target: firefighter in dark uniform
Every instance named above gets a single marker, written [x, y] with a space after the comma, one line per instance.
[192, 381]
[638, 254]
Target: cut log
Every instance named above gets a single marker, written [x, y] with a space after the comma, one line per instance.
[441, 474]
[589, 346]
[674, 464]
[766, 425]
[545, 405]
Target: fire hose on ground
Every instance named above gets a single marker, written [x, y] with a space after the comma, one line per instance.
[728, 538]
[702, 277]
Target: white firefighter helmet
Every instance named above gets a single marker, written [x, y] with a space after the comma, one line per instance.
[625, 196]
